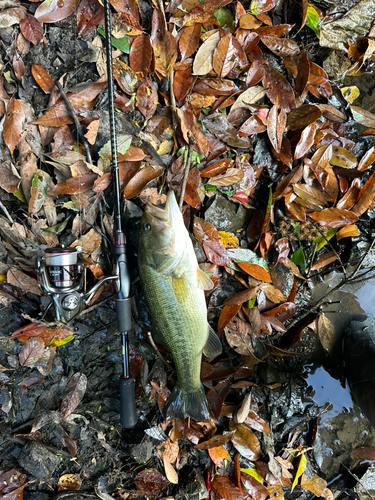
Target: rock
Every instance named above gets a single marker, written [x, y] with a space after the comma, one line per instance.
[142, 452]
[38, 461]
[225, 215]
[365, 489]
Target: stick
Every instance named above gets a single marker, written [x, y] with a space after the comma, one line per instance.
[73, 115]
[187, 168]
[157, 351]
[6, 213]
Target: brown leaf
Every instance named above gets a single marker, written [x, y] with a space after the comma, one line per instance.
[255, 422]
[367, 159]
[252, 125]
[140, 56]
[214, 442]
[189, 40]
[42, 78]
[31, 29]
[203, 13]
[219, 456]
[147, 99]
[282, 312]
[273, 294]
[282, 47]
[9, 177]
[218, 125]
[315, 484]
[49, 335]
[51, 11]
[77, 388]
[15, 117]
[310, 196]
[18, 66]
[332, 114]
[277, 87]
[11, 480]
[225, 489]
[335, 217]
[189, 123]
[227, 314]
[182, 82]
[239, 336]
[164, 45]
[75, 185]
[90, 13]
[366, 197]
[208, 236]
[125, 76]
[246, 442]
[23, 281]
[302, 116]
[241, 297]
[255, 271]
[150, 482]
[326, 332]
[141, 179]
[324, 260]
[216, 168]
[224, 56]
[282, 188]
[306, 141]
[347, 232]
[71, 482]
[231, 176]
[31, 352]
[15, 494]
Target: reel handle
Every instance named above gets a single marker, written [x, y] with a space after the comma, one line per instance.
[128, 411]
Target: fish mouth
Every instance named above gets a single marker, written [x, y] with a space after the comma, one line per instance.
[162, 216]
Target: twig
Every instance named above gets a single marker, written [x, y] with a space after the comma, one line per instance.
[157, 351]
[7, 214]
[331, 246]
[187, 168]
[173, 99]
[75, 120]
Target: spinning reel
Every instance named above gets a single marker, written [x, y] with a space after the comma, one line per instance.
[62, 277]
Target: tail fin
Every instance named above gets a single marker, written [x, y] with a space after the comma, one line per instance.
[182, 404]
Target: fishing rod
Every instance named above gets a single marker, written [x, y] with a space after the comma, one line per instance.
[61, 270]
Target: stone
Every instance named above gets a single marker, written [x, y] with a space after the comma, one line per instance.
[225, 215]
[38, 460]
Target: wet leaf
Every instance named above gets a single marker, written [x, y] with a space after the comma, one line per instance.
[310, 196]
[15, 117]
[50, 336]
[302, 116]
[326, 332]
[335, 217]
[260, 6]
[51, 11]
[273, 294]
[363, 116]
[214, 442]
[255, 271]
[229, 240]
[69, 482]
[150, 481]
[11, 480]
[278, 87]
[366, 197]
[227, 314]
[90, 14]
[42, 78]
[203, 13]
[224, 56]
[225, 489]
[347, 232]
[189, 40]
[315, 484]
[306, 141]
[367, 160]
[301, 469]
[255, 422]
[9, 177]
[75, 185]
[31, 29]
[231, 176]
[282, 47]
[313, 19]
[15, 494]
[219, 126]
[216, 168]
[219, 456]
[18, 66]
[77, 388]
[182, 83]
[203, 61]
[31, 352]
[246, 442]
[140, 56]
[69, 443]
[341, 157]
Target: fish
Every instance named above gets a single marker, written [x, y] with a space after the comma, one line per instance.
[173, 285]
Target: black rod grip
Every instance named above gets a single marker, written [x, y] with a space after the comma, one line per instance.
[128, 411]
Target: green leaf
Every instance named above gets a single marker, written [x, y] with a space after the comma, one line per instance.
[248, 256]
[251, 302]
[299, 259]
[321, 241]
[301, 469]
[363, 116]
[58, 228]
[296, 227]
[19, 194]
[71, 205]
[313, 19]
[123, 144]
[225, 18]
[119, 43]
[253, 473]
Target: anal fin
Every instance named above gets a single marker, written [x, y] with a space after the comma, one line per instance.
[213, 345]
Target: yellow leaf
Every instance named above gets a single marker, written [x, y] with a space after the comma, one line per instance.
[58, 342]
[253, 473]
[351, 230]
[301, 469]
[3, 277]
[229, 240]
[350, 94]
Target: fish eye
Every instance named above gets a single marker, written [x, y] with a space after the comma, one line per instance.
[147, 227]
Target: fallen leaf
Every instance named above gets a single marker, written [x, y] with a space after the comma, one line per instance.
[14, 119]
[31, 29]
[42, 78]
[69, 482]
[203, 61]
[225, 489]
[327, 333]
[336, 217]
[77, 388]
[23, 281]
[52, 11]
[31, 352]
[219, 456]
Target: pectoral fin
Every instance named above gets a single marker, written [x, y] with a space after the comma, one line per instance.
[204, 282]
[213, 345]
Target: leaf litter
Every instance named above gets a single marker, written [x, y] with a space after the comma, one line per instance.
[266, 136]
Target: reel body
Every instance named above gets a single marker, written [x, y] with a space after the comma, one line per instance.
[61, 277]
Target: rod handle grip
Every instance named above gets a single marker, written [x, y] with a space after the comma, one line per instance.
[128, 411]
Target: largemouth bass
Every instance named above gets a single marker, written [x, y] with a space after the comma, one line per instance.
[174, 286]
